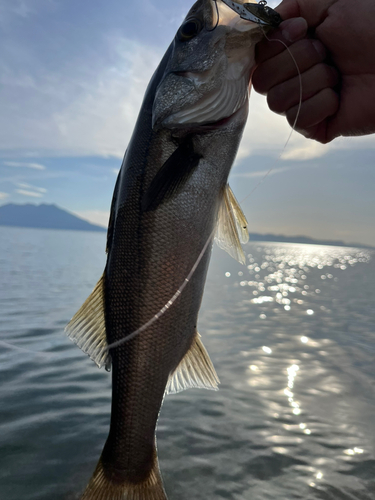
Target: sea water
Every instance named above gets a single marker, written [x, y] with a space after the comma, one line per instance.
[291, 335]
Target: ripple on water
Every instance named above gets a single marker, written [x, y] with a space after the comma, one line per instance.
[293, 418]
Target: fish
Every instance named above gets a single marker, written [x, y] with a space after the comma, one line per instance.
[171, 195]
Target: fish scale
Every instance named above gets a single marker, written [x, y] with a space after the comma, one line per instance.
[170, 195]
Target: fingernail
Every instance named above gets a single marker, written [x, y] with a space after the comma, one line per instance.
[294, 29]
[319, 47]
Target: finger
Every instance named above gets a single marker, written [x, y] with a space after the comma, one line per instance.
[288, 9]
[289, 31]
[306, 53]
[287, 94]
[314, 111]
[317, 132]
[313, 11]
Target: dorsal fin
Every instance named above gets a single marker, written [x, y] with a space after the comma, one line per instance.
[194, 370]
[87, 327]
[232, 226]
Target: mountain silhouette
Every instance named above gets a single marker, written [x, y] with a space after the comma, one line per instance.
[43, 216]
[46, 216]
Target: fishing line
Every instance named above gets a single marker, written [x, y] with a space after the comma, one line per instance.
[217, 18]
[37, 353]
[170, 302]
[145, 325]
[295, 120]
[200, 256]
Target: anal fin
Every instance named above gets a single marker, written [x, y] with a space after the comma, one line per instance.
[195, 370]
[87, 327]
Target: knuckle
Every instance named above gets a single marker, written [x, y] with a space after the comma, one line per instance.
[276, 100]
[310, 51]
[326, 74]
[303, 120]
[332, 101]
[332, 76]
[259, 81]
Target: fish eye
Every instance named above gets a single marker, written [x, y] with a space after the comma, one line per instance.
[189, 29]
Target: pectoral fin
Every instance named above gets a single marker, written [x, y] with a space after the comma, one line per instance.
[231, 227]
[87, 327]
[172, 176]
[195, 370]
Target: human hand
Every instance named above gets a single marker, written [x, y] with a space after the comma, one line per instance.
[333, 43]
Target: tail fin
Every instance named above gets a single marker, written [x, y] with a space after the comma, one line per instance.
[101, 487]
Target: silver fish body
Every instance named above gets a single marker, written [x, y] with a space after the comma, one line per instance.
[169, 195]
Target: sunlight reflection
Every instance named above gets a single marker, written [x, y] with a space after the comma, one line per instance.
[292, 373]
[283, 270]
[262, 299]
[353, 451]
[295, 406]
[294, 281]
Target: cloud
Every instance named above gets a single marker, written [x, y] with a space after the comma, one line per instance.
[16, 7]
[262, 173]
[94, 112]
[89, 107]
[99, 217]
[306, 151]
[270, 134]
[35, 166]
[3, 195]
[101, 120]
[29, 193]
[22, 9]
[28, 186]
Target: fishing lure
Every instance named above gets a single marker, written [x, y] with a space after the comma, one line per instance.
[258, 13]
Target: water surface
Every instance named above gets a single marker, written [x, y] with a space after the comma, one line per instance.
[291, 335]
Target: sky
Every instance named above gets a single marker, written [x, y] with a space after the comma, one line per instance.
[72, 78]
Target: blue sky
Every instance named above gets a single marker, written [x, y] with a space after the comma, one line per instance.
[72, 77]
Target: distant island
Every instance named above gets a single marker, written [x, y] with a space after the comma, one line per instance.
[43, 217]
[52, 217]
[280, 238]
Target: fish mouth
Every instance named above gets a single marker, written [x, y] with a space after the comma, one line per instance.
[231, 19]
[207, 87]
